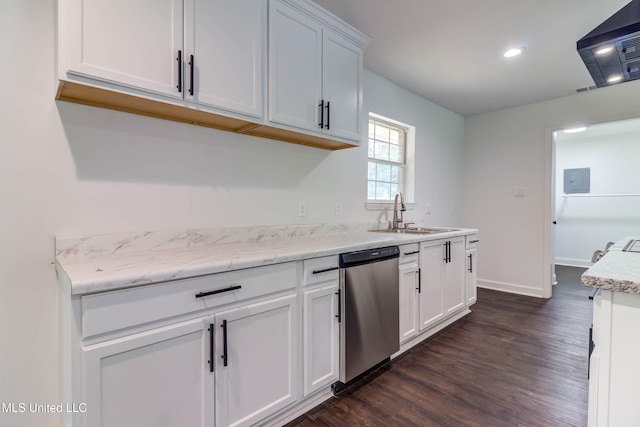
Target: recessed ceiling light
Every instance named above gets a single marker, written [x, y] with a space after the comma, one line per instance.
[575, 130]
[615, 78]
[604, 50]
[513, 52]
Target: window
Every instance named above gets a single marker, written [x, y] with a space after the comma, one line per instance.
[387, 159]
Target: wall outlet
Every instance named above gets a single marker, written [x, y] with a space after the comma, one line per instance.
[338, 208]
[427, 209]
[519, 191]
[302, 209]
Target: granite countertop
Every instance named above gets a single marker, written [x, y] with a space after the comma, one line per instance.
[108, 262]
[615, 271]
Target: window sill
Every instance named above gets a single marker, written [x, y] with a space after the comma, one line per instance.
[384, 205]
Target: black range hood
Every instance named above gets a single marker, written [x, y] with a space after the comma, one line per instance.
[621, 33]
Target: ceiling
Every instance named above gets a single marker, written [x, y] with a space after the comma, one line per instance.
[450, 51]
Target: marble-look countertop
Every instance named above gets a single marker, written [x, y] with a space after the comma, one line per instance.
[100, 263]
[615, 271]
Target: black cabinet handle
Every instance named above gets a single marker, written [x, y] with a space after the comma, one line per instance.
[449, 251]
[328, 107]
[339, 315]
[218, 291]
[411, 253]
[445, 252]
[224, 343]
[419, 281]
[321, 105]
[179, 59]
[470, 263]
[326, 270]
[192, 66]
[210, 347]
[474, 241]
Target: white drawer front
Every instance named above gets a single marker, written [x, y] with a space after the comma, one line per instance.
[409, 253]
[111, 311]
[472, 241]
[319, 270]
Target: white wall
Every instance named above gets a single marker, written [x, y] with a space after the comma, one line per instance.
[510, 148]
[70, 169]
[585, 224]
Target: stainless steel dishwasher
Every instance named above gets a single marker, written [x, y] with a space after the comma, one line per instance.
[369, 311]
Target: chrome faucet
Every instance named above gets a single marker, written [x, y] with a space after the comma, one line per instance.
[398, 220]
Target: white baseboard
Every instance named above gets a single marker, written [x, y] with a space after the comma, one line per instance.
[298, 409]
[511, 288]
[429, 332]
[574, 262]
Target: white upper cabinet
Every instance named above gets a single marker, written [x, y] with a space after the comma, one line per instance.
[315, 71]
[209, 52]
[129, 42]
[226, 41]
[341, 86]
[295, 68]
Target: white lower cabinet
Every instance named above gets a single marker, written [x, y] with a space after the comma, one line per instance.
[255, 348]
[614, 380]
[154, 378]
[321, 327]
[238, 348]
[321, 338]
[454, 277]
[472, 270]
[409, 291]
[442, 280]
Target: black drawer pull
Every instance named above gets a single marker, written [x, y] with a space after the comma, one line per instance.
[325, 270]
[210, 347]
[419, 280]
[328, 107]
[411, 253]
[218, 291]
[321, 105]
[474, 241]
[339, 315]
[192, 66]
[224, 342]
[179, 59]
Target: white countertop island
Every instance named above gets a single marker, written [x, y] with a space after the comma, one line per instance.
[614, 381]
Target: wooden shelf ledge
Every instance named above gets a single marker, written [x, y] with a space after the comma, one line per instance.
[103, 98]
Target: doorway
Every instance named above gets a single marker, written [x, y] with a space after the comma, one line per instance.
[595, 190]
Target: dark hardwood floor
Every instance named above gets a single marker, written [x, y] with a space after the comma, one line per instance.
[514, 361]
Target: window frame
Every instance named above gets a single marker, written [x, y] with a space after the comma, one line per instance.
[402, 166]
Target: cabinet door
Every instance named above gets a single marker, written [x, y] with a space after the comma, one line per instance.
[472, 264]
[409, 320]
[295, 68]
[255, 376]
[227, 41]
[155, 378]
[454, 285]
[129, 42]
[342, 86]
[321, 339]
[432, 279]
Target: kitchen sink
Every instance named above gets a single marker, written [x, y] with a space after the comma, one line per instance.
[419, 230]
